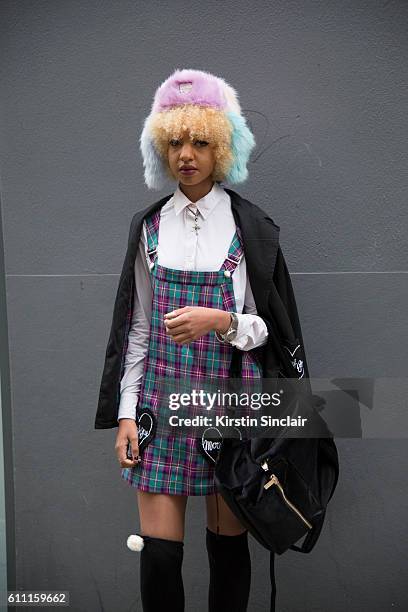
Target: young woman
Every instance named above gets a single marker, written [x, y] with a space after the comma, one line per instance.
[189, 307]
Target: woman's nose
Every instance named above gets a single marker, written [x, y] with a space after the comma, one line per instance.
[186, 151]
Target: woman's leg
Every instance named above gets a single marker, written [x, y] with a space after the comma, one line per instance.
[162, 515]
[226, 520]
[162, 520]
[229, 558]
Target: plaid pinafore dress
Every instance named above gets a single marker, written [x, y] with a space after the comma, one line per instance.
[172, 464]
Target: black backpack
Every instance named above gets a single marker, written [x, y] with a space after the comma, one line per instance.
[279, 487]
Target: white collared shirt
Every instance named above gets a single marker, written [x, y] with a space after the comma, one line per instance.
[183, 248]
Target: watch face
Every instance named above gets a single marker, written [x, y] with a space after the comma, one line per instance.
[234, 325]
[231, 333]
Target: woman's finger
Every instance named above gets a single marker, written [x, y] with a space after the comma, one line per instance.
[121, 447]
[134, 445]
[176, 322]
[181, 338]
[128, 463]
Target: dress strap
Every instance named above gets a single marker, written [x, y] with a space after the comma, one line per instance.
[151, 225]
[235, 252]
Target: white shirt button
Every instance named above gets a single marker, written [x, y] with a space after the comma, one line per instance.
[227, 273]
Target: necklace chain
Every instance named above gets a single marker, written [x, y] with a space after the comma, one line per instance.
[196, 227]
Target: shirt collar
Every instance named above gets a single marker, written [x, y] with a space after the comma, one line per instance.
[204, 205]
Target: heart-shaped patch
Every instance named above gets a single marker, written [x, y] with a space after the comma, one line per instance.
[209, 443]
[146, 427]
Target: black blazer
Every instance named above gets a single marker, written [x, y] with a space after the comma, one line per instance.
[270, 284]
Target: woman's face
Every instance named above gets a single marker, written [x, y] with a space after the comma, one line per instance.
[198, 154]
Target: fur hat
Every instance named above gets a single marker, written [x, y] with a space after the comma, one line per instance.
[209, 108]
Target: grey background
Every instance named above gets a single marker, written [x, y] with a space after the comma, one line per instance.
[324, 87]
[7, 514]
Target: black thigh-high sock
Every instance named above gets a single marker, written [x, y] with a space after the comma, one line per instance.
[161, 581]
[230, 572]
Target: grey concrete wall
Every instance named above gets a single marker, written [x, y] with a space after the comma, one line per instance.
[323, 85]
[7, 505]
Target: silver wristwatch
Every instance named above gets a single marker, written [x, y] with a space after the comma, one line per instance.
[231, 332]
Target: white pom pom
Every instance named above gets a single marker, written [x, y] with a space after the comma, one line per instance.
[135, 542]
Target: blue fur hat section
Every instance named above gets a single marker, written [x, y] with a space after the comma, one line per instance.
[242, 143]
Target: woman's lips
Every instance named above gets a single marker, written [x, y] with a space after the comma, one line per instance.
[190, 171]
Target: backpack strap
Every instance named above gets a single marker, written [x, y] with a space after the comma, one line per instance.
[328, 445]
[311, 538]
[273, 582]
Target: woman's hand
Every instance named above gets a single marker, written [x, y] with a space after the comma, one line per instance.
[192, 322]
[127, 432]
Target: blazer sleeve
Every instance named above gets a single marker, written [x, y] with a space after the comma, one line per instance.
[138, 336]
[283, 324]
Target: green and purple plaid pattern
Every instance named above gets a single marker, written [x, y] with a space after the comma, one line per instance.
[172, 464]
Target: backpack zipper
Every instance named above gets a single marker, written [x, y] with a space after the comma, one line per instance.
[273, 480]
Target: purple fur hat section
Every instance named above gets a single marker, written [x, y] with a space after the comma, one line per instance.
[188, 86]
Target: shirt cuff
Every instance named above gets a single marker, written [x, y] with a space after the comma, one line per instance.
[251, 332]
[127, 406]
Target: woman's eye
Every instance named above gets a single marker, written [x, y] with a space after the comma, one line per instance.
[175, 142]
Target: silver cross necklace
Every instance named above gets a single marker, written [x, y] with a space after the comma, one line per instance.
[196, 227]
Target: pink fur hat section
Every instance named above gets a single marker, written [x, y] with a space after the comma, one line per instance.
[188, 86]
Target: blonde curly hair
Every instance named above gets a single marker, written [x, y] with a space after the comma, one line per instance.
[202, 123]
